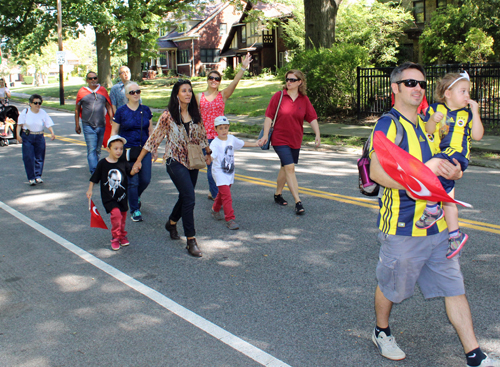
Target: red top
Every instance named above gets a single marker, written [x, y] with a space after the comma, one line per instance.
[209, 111]
[289, 129]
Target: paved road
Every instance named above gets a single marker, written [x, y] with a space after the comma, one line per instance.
[283, 290]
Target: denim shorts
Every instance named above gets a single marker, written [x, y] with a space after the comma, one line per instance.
[287, 155]
[405, 261]
[448, 185]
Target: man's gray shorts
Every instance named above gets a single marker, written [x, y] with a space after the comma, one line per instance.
[405, 260]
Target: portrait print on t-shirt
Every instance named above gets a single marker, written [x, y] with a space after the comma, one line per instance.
[228, 161]
[115, 184]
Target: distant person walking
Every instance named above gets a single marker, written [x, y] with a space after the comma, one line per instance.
[288, 132]
[30, 127]
[133, 122]
[92, 103]
[117, 93]
[212, 103]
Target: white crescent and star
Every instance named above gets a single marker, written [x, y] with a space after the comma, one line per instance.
[94, 209]
[424, 191]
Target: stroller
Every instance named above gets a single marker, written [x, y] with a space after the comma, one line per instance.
[8, 123]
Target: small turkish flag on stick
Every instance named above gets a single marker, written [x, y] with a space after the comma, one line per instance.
[415, 176]
[96, 220]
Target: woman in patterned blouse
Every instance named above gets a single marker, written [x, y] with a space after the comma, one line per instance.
[182, 113]
[212, 103]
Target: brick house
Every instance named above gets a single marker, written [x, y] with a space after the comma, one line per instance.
[194, 45]
[266, 45]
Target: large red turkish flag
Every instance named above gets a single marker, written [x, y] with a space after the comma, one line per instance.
[415, 176]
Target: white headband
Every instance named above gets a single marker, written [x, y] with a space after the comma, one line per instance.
[463, 75]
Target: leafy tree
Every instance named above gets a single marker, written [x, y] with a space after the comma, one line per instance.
[375, 26]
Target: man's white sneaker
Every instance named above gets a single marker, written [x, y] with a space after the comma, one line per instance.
[388, 347]
[489, 362]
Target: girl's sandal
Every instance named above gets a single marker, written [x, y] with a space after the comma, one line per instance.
[278, 199]
[299, 208]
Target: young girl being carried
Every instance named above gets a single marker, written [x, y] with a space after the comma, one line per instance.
[451, 125]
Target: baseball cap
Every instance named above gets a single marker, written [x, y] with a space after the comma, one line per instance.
[221, 120]
[116, 137]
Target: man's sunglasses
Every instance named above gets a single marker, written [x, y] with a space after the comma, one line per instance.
[292, 80]
[412, 83]
[216, 78]
[132, 92]
[37, 103]
[92, 78]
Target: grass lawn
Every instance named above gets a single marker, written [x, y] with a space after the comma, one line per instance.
[251, 97]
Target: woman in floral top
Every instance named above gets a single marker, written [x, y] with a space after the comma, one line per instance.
[182, 113]
[212, 103]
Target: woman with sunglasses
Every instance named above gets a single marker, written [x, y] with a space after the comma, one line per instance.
[180, 125]
[288, 132]
[30, 126]
[212, 103]
[133, 121]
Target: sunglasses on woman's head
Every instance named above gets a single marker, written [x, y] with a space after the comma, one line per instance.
[37, 103]
[292, 80]
[92, 78]
[216, 78]
[412, 83]
[132, 92]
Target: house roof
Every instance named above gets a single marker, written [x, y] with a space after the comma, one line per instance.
[164, 43]
[208, 14]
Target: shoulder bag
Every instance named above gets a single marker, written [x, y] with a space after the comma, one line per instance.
[266, 146]
[196, 158]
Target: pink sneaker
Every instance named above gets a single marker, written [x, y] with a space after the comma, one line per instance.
[124, 241]
[115, 244]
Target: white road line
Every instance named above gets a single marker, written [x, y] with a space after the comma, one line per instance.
[210, 328]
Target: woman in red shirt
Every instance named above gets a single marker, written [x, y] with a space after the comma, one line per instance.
[288, 132]
[212, 103]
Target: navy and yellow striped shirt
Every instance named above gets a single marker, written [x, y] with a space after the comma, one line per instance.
[398, 212]
[453, 135]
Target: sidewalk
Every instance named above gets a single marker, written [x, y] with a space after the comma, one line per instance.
[488, 143]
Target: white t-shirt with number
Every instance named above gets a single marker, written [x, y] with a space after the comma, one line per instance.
[223, 159]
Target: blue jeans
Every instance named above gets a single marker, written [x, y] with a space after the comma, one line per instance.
[185, 182]
[212, 186]
[33, 154]
[93, 139]
[139, 182]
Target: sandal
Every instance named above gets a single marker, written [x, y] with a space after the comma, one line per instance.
[278, 199]
[299, 208]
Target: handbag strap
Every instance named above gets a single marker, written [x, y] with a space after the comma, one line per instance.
[140, 143]
[276, 114]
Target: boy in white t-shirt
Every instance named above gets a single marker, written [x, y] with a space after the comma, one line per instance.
[223, 148]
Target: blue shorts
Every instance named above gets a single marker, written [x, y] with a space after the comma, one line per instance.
[287, 155]
[405, 260]
[449, 185]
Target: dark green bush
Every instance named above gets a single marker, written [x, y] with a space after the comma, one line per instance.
[331, 75]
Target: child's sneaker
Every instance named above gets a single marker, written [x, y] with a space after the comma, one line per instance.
[455, 244]
[137, 216]
[124, 241]
[115, 244]
[216, 215]
[231, 224]
[427, 219]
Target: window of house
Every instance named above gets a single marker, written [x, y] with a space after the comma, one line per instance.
[183, 56]
[418, 11]
[223, 29]
[182, 27]
[163, 59]
[234, 42]
[244, 34]
[441, 3]
[208, 55]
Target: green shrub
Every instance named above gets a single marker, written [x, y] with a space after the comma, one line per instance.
[28, 79]
[331, 75]
[229, 73]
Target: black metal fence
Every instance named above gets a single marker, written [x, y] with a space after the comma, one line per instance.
[374, 89]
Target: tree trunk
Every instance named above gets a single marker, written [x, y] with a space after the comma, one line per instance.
[134, 58]
[320, 18]
[103, 42]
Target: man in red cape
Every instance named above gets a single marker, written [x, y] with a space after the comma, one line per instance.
[409, 255]
[93, 107]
